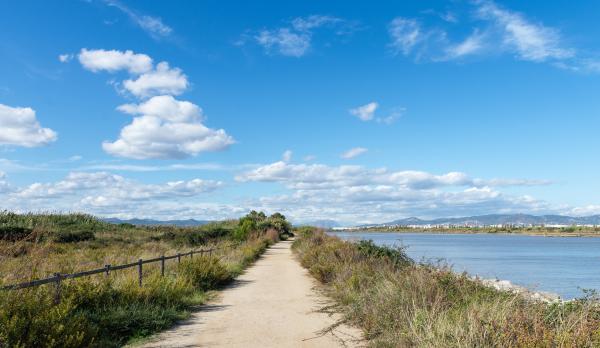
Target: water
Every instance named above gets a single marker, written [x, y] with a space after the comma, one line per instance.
[560, 265]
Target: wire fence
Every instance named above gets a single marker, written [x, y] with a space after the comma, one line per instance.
[57, 278]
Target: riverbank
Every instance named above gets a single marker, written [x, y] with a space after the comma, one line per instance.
[401, 303]
[539, 232]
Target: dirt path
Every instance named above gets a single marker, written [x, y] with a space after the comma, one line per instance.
[271, 305]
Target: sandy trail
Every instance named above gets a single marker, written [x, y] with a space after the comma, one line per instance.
[273, 304]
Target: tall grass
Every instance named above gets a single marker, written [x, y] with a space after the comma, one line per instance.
[399, 303]
[109, 311]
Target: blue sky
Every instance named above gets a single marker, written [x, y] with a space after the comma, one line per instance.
[362, 112]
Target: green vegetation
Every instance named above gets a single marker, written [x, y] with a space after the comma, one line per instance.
[400, 303]
[110, 311]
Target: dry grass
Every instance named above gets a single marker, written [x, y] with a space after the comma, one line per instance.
[402, 304]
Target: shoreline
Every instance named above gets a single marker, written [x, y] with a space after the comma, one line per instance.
[508, 286]
[590, 234]
[503, 284]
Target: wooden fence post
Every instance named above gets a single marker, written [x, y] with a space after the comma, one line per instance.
[107, 271]
[178, 257]
[140, 271]
[57, 288]
[192, 254]
[162, 265]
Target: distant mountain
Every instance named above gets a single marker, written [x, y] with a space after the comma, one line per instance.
[502, 219]
[150, 222]
[322, 223]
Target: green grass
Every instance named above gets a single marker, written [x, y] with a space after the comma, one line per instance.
[399, 303]
[109, 311]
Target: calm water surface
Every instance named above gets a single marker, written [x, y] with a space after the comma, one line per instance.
[561, 265]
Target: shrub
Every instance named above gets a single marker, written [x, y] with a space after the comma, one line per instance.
[396, 255]
[73, 236]
[246, 226]
[204, 272]
[14, 233]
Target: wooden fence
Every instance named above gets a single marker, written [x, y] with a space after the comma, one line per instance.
[59, 277]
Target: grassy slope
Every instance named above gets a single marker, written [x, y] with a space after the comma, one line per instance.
[402, 304]
[108, 311]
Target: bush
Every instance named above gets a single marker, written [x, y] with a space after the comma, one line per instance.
[73, 236]
[14, 233]
[246, 226]
[396, 255]
[204, 272]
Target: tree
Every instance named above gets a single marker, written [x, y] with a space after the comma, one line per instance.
[246, 225]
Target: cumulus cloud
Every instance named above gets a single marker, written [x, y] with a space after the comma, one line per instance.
[359, 194]
[313, 176]
[113, 61]
[19, 126]
[149, 81]
[354, 152]
[115, 186]
[295, 39]
[107, 194]
[162, 127]
[365, 112]
[166, 128]
[162, 80]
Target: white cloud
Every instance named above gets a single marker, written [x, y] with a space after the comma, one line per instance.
[162, 80]
[153, 168]
[358, 194]
[295, 40]
[496, 30]
[19, 126]
[315, 176]
[166, 128]
[149, 80]
[405, 34]
[354, 152]
[471, 45]
[104, 184]
[365, 112]
[309, 158]
[113, 61]
[152, 25]
[163, 127]
[65, 58]
[395, 114]
[287, 156]
[107, 194]
[534, 42]
[284, 41]
[313, 21]
[166, 107]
